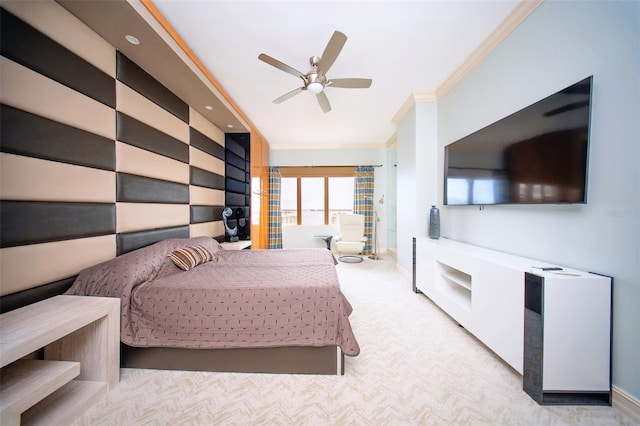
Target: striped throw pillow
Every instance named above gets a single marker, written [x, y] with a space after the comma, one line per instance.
[190, 257]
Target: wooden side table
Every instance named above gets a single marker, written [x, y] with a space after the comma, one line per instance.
[236, 245]
[81, 340]
[326, 238]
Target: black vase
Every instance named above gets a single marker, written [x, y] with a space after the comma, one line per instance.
[434, 223]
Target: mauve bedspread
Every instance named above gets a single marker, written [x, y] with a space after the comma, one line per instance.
[241, 299]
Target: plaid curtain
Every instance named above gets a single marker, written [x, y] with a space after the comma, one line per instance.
[275, 216]
[363, 201]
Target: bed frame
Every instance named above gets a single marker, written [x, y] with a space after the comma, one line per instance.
[280, 360]
[287, 360]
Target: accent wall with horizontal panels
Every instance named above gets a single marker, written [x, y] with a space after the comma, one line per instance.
[97, 158]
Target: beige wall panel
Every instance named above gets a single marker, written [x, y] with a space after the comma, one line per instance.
[54, 21]
[206, 229]
[25, 89]
[33, 179]
[205, 161]
[142, 109]
[140, 216]
[204, 126]
[130, 159]
[201, 196]
[24, 267]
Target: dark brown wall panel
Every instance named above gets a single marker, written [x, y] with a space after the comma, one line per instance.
[38, 52]
[127, 242]
[203, 143]
[205, 178]
[35, 294]
[138, 134]
[31, 222]
[30, 135]
[138, 189]
[200, 214]
[142, 82]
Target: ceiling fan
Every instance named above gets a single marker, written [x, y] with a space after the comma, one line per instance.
[315, 81]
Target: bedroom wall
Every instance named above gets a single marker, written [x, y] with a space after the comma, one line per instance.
[559, 44]
[417, 157]
[97, 157]
[302, 236]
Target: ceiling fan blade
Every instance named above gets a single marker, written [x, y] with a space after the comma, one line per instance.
[350, 83]
[332, 51]
[286, 96]
[280, 65]
[323, 101]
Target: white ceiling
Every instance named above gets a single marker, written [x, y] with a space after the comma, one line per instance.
[406, 47]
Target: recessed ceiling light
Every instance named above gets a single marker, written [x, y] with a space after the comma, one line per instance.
[230, 126]
[133, 40]
[209, 107]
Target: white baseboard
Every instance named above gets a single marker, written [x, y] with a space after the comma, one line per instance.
[406, 275]
[626, 403]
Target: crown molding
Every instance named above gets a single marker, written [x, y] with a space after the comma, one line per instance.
[406, 106]
[515, 18]
[392, 140]
[519, 14]
[413, 99]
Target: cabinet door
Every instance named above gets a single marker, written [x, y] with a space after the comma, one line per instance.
[498, 311]
[576, 348]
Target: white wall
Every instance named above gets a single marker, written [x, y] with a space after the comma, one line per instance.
[303, 236]
[391, 202]
[406, 188]
[417, 156]
[559, 44]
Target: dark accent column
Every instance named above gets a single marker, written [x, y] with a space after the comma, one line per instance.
[413, 282]
[238, 180]
[532, 368]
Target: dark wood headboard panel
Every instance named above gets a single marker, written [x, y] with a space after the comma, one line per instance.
[35, 294]
[126, 243]
[135, 240]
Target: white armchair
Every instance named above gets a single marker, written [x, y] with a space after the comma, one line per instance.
[351, 241]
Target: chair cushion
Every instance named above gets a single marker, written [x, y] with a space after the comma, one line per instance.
[349, 247]
[351, 239]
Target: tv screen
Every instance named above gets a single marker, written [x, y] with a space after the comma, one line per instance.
[537, 155]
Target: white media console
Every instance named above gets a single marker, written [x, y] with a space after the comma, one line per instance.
[562, 349]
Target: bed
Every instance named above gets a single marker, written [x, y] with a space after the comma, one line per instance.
[187, 303]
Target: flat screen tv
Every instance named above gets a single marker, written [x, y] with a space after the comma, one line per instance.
[537, 155]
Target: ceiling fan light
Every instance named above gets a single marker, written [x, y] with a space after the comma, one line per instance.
[315, 87]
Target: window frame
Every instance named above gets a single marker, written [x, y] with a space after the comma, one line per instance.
[325, 172]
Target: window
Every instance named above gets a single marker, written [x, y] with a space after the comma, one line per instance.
[315, 195]
[289, 200]
[341, 197]
[312, 196]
